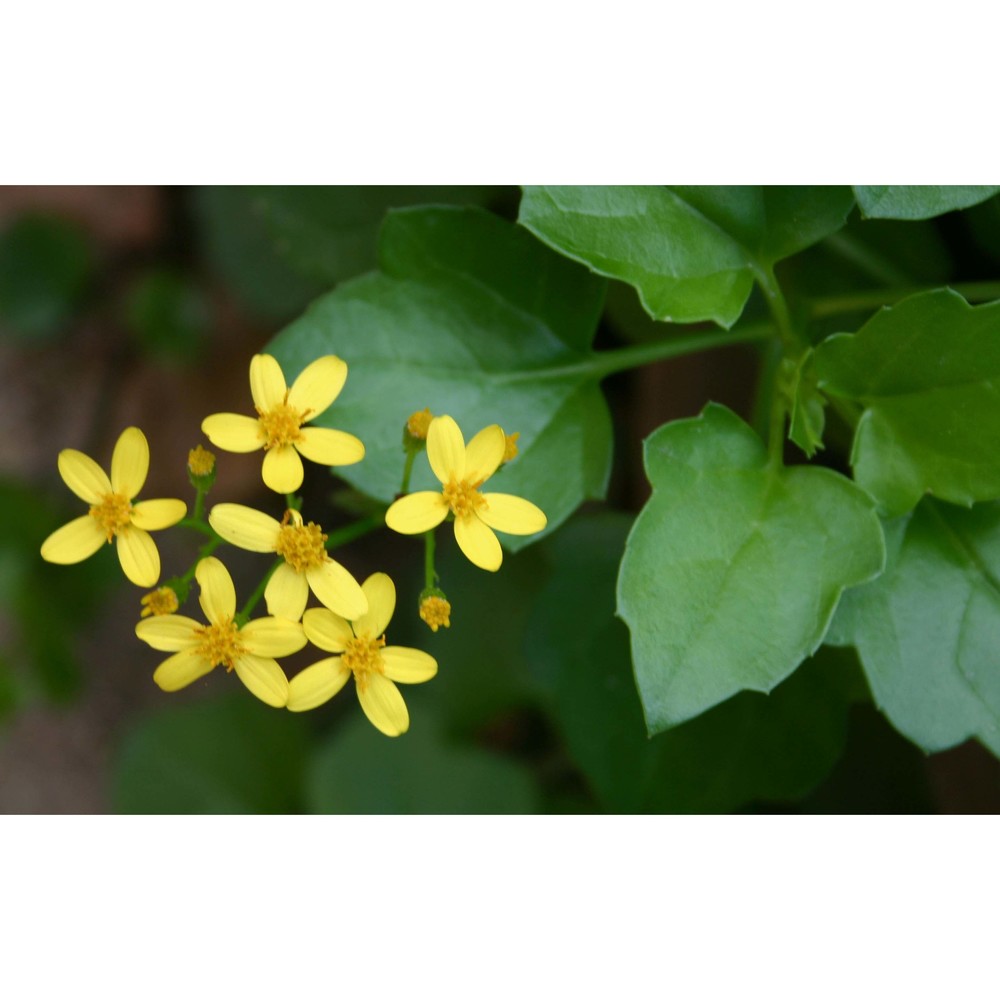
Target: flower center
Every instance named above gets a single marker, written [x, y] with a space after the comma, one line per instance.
[281, 425]
[220, 644]
[302, 546]
[362, 656]
[162, 601]
[112, 512]
[463, 498]
[435, 611]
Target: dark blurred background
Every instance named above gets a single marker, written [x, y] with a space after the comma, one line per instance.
[143, 305]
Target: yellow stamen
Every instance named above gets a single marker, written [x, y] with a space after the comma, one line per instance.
[281, 425]
[113, 512]
[362, 656]
[419, 423]
[436, 611]
[463, 498]
[510, 446]
[220, 644]
[162, 601]
[201, 461]
[301, 545]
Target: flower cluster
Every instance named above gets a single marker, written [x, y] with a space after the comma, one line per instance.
[351, 620]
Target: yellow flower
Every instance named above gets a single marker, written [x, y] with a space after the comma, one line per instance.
[281, 412]
[162, 601]
[201, 462]
[363, 653]
[307, 563]
[112, 513]
[418, 423]
[461, 471]
[510, 446]
[436, 612]
[199, 649]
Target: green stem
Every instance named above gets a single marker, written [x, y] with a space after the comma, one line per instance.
[834, 305]
[776, 431]
[866, 259]
[199, 506]
[407, 470]
[778, 306]
[430, 577]
[252, 600]
[604, 363]
[206, 550]
[292, 502]
[356, 530]
[199, 526]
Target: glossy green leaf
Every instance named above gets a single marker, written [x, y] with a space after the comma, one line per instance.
[928, 630]
[753, 747]
[45, 267]
[330, 233]
[691, 252]
[358, 770]
[470, 338]
[918, 201]
[735, 566]
[231, 755]
[927, 371]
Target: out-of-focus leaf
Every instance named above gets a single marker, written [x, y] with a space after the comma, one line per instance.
[735, 565]
[358, 770]
[232, 755]
[806, 403]
[477, 338]
[926, 371]
[45, 267]
[918, 201]
[168, 314]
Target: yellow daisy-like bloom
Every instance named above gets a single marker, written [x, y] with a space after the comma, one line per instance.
[307, 563]
[201, 462]
[199, 649]
[417, 424]
[162, 601]
[281, 413]
[363, 654]
[112, 514]
[435, 612]
[462, 471]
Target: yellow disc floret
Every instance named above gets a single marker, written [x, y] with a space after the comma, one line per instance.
[302, 546]
[362, 655]
[419, 423]
[281, 425]
[162, 601]
[510, 446]
[113, 512]
[220, 644]
[463, 498]
[436, 612]
[201, 461]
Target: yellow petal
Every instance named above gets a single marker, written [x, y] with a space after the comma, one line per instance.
[318, 385]
[478, 543]
[83, 475]
[138, 556]
[169, 633]
[511, 514]
[181, 669]
[73, 542]
[417, 513]
[330, 447]
[286, 593]
[446, 449]
[316, 684]
[408, 666]
[245, 527]
[154, 515]
[326, 630]
[484, 454]
[130, 462]
[233, 432]
[218, 595]
[337, 590]
[384, 705]
[381, 594]
[264, 678]
[282, 469]
[272, 637]
[267, 383]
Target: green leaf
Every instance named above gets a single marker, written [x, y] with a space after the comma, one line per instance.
[168, 314]
[753, 747]
[358, 770]
[45, 267]
[232, 755]
[806, 403]
[928, 630]
[918, 201]
[330, 233]
[691, 252]
[469, 338]
[927, 373]
[734, 567]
